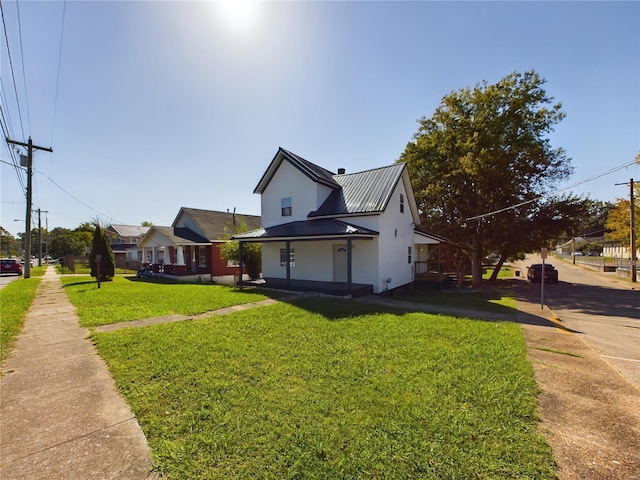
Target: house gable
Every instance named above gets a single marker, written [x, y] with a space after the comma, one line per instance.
[211, 224]
[312, 171]
[291, 194]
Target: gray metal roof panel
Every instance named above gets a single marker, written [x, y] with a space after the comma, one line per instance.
[326, 227]
[361, 192]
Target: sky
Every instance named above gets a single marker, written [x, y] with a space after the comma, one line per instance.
[150, 106]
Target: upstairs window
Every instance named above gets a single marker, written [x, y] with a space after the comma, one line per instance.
[401, 203]
[285, 206]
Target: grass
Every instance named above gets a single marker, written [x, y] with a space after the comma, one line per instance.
[496, 298]
[16, 298]
[128, 298]
[319, 390]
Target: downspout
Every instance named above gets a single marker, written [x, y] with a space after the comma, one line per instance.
[349, 265]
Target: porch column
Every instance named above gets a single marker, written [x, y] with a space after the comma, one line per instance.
[288, 261]
[144, 258]
[167, 255]
[154, 256]
[240, 264]
[349, 264]
[180, 256]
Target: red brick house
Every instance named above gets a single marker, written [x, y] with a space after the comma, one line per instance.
[188, 249]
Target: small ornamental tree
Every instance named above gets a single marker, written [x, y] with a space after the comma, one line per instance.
[101, 246]
[251, 252]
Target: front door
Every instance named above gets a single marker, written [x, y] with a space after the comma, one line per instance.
[340, 266]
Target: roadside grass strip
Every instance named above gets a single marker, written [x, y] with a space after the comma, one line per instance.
[15, 301]
[126, 299]
[320, 389]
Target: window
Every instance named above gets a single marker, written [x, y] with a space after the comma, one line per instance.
[285, 206]
[202, 256]
[409, 254]
[283, 257]
[401, 203]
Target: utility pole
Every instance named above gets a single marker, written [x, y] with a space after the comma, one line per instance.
[27, 241]
[632, 228]
[40, 235]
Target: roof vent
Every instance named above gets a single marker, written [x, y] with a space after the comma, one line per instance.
[341, 171]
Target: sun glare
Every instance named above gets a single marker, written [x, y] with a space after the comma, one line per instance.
[238, 15]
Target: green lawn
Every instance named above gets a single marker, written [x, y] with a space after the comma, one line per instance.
[128, 298]
[334, 389]
[16, 298]
[497, 298]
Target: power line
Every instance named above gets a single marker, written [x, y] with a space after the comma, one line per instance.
[24, 74]
[76, 198]
[595, 177]
[55, 101]
[13, 76]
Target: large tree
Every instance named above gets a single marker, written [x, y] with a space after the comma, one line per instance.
[481, 163]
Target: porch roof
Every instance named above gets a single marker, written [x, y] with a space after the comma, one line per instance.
[307, 229]
[173, 236]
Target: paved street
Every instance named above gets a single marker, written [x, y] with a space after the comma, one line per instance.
[7, 279]
[602, 309]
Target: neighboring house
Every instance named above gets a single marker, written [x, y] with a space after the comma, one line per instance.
[188, 249]
[124, 240]
[352, 233]
[615, 249]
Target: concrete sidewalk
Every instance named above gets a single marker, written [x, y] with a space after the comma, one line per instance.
[61, 415]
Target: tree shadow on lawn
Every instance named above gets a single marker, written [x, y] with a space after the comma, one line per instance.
[337, 309]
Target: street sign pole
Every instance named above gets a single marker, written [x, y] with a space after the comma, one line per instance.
[543, 254]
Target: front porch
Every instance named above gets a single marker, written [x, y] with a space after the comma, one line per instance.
[327, 288]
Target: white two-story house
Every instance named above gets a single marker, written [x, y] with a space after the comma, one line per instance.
[351, 233]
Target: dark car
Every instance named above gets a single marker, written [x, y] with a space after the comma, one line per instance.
[534, 273]
[10, 265]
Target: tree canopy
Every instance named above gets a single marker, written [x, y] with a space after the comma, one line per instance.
[482, 163]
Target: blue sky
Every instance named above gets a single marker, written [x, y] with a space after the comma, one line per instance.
[160, 105]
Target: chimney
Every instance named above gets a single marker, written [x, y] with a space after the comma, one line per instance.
[341, 171]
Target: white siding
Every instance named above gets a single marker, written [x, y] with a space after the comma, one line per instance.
[396, 236]
[314, 260]
[288, 181]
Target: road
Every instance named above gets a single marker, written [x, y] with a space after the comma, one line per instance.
[7, 279]
[602, 309]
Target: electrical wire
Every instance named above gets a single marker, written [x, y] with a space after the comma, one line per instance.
[55, 101]
[24, 74]
[13, 76]
[76, 198]
[595, 177]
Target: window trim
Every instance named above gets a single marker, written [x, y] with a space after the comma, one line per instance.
[286, 209]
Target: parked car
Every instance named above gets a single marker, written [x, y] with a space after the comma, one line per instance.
[534, 273]
[10, 265]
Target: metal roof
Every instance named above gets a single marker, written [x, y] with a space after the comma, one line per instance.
[320, 228]
[361, 192]
[311, 170]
